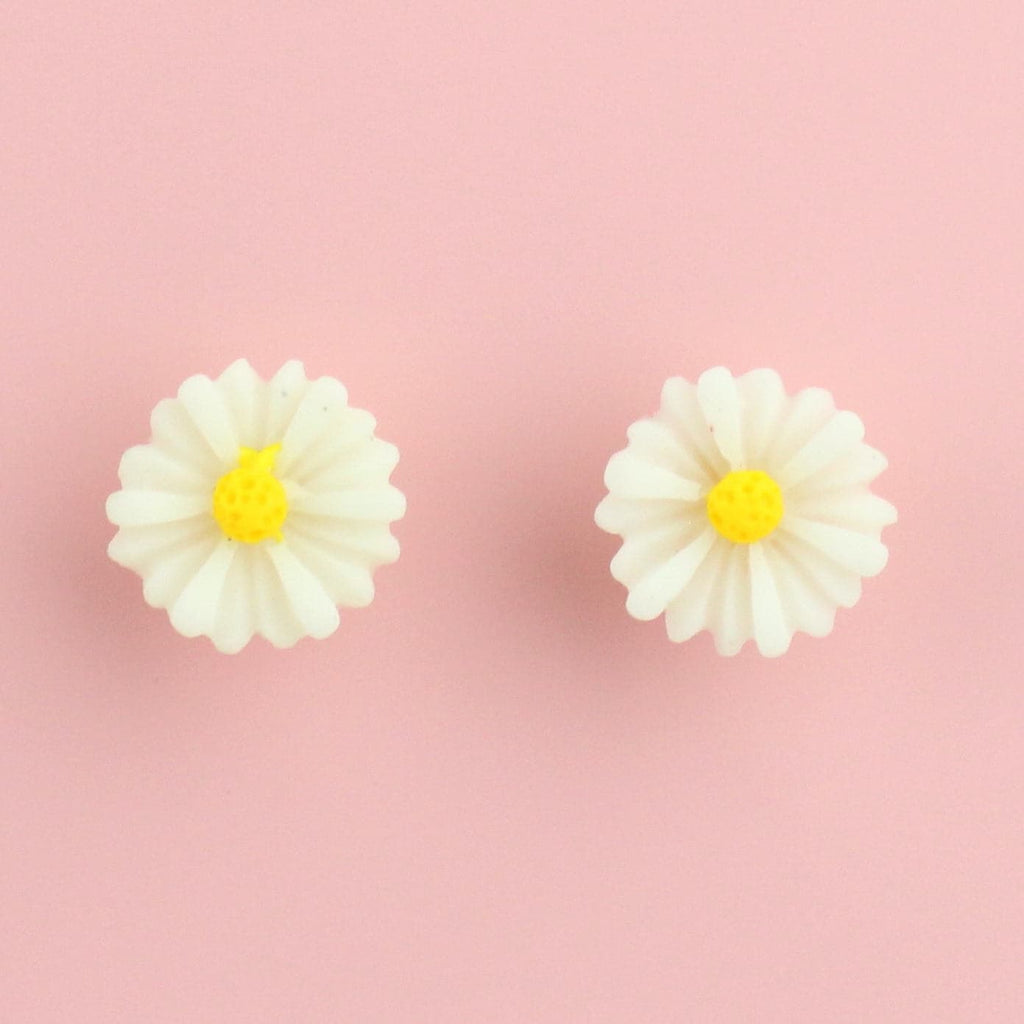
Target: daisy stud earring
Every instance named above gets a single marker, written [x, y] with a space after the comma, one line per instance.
[257, 508]
[745, 511]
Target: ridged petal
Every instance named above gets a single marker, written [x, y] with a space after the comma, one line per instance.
[204, 402]
[687, 615]
[352, 429]
[837, 585]
[271, 609]
[656, 442]
[245, 395]
[362, 542]
[681, 409]
[764, 402]
[806, 606]
[369, 463]
[719, 400]
[805, 414]
[169, 575]
[644, 551]
[143, 508]
[321, 408]
[312, 608]
[859, 466]
[176, 435]
[385, 503]
[145, 467]
[770, 629]
[629, 477]
[854, 551]
[197, 607]
[729, 611]
[236, 616]
[624, 515]
[839, 435]
[140, 547]
[285, 391]
[346, 583]
[649, 598]
[855, 508]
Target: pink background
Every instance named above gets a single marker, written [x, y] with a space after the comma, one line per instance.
[492, 797]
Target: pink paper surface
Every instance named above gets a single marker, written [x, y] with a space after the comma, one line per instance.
[491, 796]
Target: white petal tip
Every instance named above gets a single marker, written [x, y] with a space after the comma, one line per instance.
[601, 517]
[242, 371]
[280, 644]
[323, 630]
[727, 648]
[401, 506]
[713, 373]
[775, 649]
[643, 608]
[230, 646]
[880, 561]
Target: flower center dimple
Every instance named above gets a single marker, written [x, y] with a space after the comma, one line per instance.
[745, 505]
[249, 502]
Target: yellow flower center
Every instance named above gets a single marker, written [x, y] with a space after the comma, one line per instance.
[745, 506]
[249, 502]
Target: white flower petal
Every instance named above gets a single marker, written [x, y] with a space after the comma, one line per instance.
[206, 407]
[763, 398]
[837, 437]
[720, 402]
[654, 439]
[859, 466]
[196, 609]
[854, 551]
[321, 407]
[315, 612]
[770, 630]
[362, 542]
[681, 409]
[855, 508]
[285, 391]
[140, 547]
[729, 610]
[175, 434]
[649, 598]
[271, 609]
[625, 515]
[808, 411]
[142, 508]
[629, 477]
[346, 583]
[236, 617]
[385, 503]
[806, 605]
[655, 442]
[644, 551]
[349, 433]
[687, 615]
[145, 467]
[170, 574]
[245, 395]
[839, 586]
[371, 462]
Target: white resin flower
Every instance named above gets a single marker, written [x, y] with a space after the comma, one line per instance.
[745, 511]
[257, 508]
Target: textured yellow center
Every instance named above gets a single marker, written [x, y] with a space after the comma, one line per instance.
[745, 506]
[249, 502]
